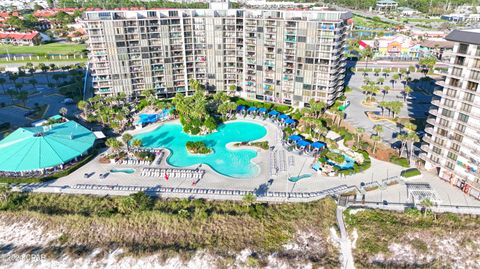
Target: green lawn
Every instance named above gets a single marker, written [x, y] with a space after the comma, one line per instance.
[52, 48]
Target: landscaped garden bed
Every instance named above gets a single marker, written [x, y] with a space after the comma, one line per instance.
[198, 147]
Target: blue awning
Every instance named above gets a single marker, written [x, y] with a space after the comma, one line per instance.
[289, 121]
[303, 143]
[284, 117]
[295, 137]
[262, 110]
[252, 109]
[241, 107]
[318, 145]
[273, 113]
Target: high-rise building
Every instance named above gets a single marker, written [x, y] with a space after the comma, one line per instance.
[278, 56]
[452, 142]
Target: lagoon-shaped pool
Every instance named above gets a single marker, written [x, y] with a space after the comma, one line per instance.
[229, 162]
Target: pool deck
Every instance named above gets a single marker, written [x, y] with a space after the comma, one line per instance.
[278, 183]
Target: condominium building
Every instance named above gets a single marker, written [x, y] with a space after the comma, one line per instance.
[452, 143]
[278, 56]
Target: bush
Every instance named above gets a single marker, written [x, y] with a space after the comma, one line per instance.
[145, 156]
[400, 161]
[410, 173]
[198, 147]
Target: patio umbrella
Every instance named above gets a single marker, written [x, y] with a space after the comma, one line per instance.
[295, 137]
[273, 113]
[289, 121]
[303, 143]
[284, 117]
[318, 145]
[252, 109]
[262, 110]
[241, 108]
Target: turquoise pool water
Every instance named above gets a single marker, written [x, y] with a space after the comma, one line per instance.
[297, 178]
[347, 164]
[126, 170]
[235, 162]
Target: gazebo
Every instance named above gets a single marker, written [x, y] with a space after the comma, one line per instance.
[262, 110]
[241, 108]
[294, 138]
[289, 121]
[318, 145]
[283, 117]
[273, 113]
[35, 149]
[302, 144]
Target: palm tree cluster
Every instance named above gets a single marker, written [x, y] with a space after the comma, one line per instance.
[393, 107]
[110, 111]
[408, 137]
[197, 113]
[370, 90]
[312, 122]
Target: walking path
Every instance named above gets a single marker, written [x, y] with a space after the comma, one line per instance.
[345, 243]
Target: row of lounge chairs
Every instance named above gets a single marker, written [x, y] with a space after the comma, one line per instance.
[133, 162]
[173, 173]
[278, 161]
[323, 193]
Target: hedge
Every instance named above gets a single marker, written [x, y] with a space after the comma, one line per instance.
[410, 173]
[400, 161]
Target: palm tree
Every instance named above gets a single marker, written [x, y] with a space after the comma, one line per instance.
[366, 54]
[385, 90]
[359, 132]
[427, 204]
[316, 108]
[84, 106]
[23, 97]
[378, 129]
[44, 69]
[394, 79]
[12, 94]
[403, 139]
[2, 82]
[375, 139]
[380, 81]
[34, 82]
[412, 138]
[406, 92]
[18, 86]
[113, 144]
[137, 143]
[126, 139]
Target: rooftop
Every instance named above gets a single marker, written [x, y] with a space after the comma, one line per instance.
[470, 36]
[36, 148]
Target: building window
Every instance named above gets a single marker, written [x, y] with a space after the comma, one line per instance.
[457, 137]
[448, 102]
[442, 132]
[452, 156]
[460, 127]
[472, 86]
[466, 107]
[449, 165]
[434, 159]
[456, 72]
[437, 150]
[469, 97]
[460, 60]
[462, 48]
[455, 147]
[444, 122]
[462, 117]
[475, 75]
[439, 141]
[447, 113]
[451, 93]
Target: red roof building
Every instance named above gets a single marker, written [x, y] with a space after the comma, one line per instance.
[18, 38]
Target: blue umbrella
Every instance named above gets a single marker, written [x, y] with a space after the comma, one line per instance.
[318, 145]
[262, 110]
[273, 113]
[303, 143]
[295, 137]
[252, 109]
[284, 117]
[289, 121]
[241, 107]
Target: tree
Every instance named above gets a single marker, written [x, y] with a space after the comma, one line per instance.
[403, 140]
[34, 82]
[12, 94]
[316, 108]
[412, 138]
[378, 129]
[2, 82]
[126, 139]
[113, 144]
[385, 90]
[394, 79]
[137, 143]
[380, 81]
[366, 54]
[406, 92]
[232, 89]
[63, 111]
[23, 97]
[84, 106]
[376, 139]
[359, 132]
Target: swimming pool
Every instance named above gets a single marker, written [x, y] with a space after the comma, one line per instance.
[229, 162]
[124, 170]
[347, 164]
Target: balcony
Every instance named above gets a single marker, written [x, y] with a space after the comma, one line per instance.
[431, 121]
[429, 130]
[436, 102]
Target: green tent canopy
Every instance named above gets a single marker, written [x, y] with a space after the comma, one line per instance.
[36, 148]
